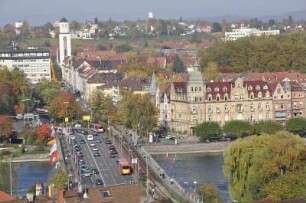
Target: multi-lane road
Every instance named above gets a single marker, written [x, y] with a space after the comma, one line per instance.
[95, 168]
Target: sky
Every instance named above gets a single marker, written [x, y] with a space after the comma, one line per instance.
[39, 12]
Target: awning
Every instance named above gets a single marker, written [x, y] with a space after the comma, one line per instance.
[280, 115]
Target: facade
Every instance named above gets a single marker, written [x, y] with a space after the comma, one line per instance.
[247, 32]
[196, 101]
[35, 63]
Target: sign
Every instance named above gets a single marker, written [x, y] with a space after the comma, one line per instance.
[66, 119]
[86, 118]
[134, 161]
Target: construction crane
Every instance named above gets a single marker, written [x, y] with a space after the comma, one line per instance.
[53, 72]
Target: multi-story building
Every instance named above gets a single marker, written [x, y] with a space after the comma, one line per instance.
[35, 63]
[247, 32]
[196, 101]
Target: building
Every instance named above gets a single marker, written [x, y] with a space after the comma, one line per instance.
[64, 40]
[35, 63]
[247, 32]
[184, 105]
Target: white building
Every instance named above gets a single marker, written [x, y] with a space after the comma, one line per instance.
[247, 32]
[35, 63]
[64, 41]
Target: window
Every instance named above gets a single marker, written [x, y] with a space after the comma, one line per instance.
[191, 89]
[216, 89]
[106, 193]
[224, 89]
[195, 89]
[257, 87]
[250, 87]
[209, 97]
[265, 87]
[208, 89]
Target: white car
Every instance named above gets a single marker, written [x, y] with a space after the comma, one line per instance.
[95, 149]
[93, 144]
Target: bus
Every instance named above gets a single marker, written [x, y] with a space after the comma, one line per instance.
[98, 127]
[125, 167]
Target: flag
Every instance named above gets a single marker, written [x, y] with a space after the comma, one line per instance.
[54, 157]
[53, 148]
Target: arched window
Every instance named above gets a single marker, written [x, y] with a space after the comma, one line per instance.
[250, 87]
[218, 97]
[208, 89]
[209, 97]
[216, 89]
[257, 87]
[224, 89]
[252, 95]
[265, 87]
[225, 97]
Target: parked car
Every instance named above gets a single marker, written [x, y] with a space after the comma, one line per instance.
[99, 181]
[96, 154]
[108, 141]
[95, 171]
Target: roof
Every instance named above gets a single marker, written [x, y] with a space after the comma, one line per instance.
[129, 193]
[63, 20]
[4, 197]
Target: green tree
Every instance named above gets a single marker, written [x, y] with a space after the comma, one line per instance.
[102, 107]
[216, 27]
[46, 90]
[209, 193]
[59, 178]
[122, 48]
[207, 130]
[267, 127]
[178, 65]
[138, 112]
[255, 165]
[237, 128]
[296, 126]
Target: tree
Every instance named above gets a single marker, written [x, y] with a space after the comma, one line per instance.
[59, 178]
[256, 165]
[102, 106]
[178, 65]
[237, 128]
[296, 126]
[46, 90]
[209, 193]
[267, 127]
[64, 105]
[122, 48]
[207, 130]
[43, 132]
[6, 125]
[138, 112]
[216, 27]
[212, 72]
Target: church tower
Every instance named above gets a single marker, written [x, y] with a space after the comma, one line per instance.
[64, 40]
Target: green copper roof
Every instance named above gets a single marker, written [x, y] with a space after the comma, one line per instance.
[195, 76]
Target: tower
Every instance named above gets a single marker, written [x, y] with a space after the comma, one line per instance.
[64, 40]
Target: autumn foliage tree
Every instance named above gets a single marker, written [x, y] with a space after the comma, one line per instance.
[6, 125]
[43, 132]
[64, 105]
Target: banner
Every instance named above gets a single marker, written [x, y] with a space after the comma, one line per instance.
[54, 157]
[53, 148]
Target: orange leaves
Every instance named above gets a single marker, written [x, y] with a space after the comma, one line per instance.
[43, 132]
[6, 125]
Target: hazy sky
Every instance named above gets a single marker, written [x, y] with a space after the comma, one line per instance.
[39, 12]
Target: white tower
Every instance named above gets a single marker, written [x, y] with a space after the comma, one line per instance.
[64, 40]
[150, 15]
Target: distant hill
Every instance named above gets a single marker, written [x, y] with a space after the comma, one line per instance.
[296, 15]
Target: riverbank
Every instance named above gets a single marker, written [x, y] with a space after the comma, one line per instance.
[28, 158]
[188, 148]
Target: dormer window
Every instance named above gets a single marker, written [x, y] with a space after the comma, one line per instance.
[259, 95]
[209, 97]
[218, 97]
[224, 89]
[265, 87]
[267, 94]
[208, 89]
[257, 87]
[216, 89]
[252, 95]
[250, 87]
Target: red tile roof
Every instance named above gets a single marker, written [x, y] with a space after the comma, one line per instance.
[4, 197]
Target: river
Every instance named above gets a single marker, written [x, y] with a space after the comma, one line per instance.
[193, 170]
[28, 174]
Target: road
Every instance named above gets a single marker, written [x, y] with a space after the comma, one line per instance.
[108, 168]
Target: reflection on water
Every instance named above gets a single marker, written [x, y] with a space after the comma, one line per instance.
[193, 170]
[29, 174]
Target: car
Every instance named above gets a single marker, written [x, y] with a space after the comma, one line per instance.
[77, 125]
[99, 181]
[113, 151]
[82, 141]
[112, 155]
[81, 161]
[95, 149]
[93, 144]
[170, 137]
[108, 141]
[96, 154]
[99, 140]
[95, 171]
[111, 147]
[86, 174]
